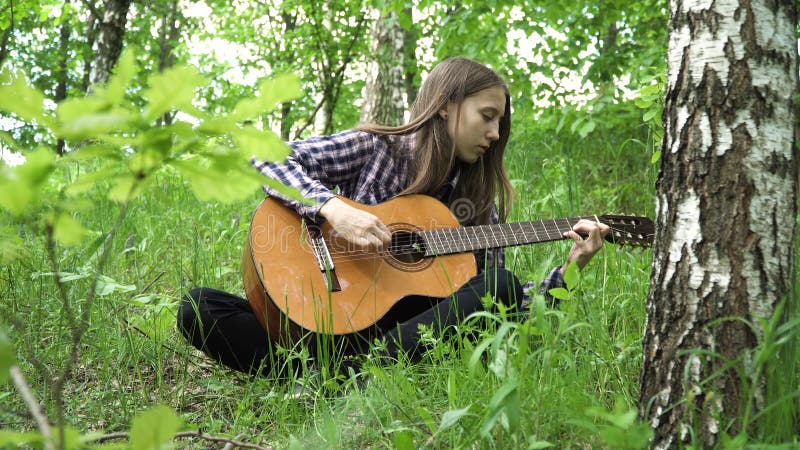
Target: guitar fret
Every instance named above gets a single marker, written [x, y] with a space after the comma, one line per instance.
[535, 232]
[458, 240]
[447, 240]
[521, 231]
[483, 232]
[436, 241]
[556, 228]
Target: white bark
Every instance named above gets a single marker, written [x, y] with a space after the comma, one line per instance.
[383, 95]
[726, 209]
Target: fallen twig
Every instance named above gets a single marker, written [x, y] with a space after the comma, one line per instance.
[33, 405]
[189, 434]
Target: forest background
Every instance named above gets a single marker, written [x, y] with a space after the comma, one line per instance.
[100, 243]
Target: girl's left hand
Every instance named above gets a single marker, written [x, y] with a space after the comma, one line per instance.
[584, 249]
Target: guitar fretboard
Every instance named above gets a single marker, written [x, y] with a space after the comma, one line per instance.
[446, 241]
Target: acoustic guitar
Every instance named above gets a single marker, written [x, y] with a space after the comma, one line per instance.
[300, 277]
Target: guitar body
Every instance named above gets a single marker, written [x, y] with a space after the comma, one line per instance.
[292, 294]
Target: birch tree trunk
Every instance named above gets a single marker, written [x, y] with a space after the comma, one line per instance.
[726, 217]
[383, 96]
[109, 38]
[167, 41]
[62, 76]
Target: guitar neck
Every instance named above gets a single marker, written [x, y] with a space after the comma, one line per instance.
[445, 241]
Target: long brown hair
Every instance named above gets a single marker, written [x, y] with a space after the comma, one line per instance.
[434, 154]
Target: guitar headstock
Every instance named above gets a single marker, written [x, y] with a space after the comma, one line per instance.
[629, 230]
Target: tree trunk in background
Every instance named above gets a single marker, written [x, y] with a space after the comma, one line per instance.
[110, 38]
[63, 76]
[167, 39]
[91, 35]
[4, 41]
[332, 60]
[726, 220]
[289, 24]
[383, 96]
[410, 59]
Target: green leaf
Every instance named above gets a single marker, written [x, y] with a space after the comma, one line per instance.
[650, 113]
[217, 126]
[9, 140]
[288, 191]
[533, 444]
[11, 247]
[120, 78]
[107, 285]
[452, 417]
[271, 93]
[656, 157]
[505, 399]
[404, 441]
[212, 183]
[651, 90]
[560, 293]
[7, 357]
[635, 437]
[642, 103]
[15, 439]
[87, 181]
[71, 437]
[25, 180]
[94, 125]
[127, 187]
[147, 160]
[427, 418]
[158, 323]
[17, 97]
[74, 107]
[67, 231]
[587, 128]
[172, 88]
[154, 428]
[96, 150]
[572, 276]
[262, 144]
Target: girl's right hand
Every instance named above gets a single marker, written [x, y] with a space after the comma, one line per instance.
[356, 226]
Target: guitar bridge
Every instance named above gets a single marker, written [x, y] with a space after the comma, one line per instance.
[323, 256]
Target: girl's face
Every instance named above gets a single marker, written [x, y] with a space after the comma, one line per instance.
[478, 125]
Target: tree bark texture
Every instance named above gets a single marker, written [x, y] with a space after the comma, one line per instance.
[91, 36]
[167, 41]
[383, 97]
[410, 38]
[110, 38]
[726, 216]
[63, 77]
[6, 39]
[289, 25]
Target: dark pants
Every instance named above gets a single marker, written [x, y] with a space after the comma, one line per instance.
[224, 326]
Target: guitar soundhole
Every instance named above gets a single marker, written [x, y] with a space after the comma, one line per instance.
[407, 250]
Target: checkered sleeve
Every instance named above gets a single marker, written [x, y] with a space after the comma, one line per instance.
[554, 279]
[317, 165]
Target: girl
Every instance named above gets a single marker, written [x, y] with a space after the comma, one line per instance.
[452, 149]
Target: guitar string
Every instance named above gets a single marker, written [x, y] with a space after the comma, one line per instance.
[358, 254]
[455, 245]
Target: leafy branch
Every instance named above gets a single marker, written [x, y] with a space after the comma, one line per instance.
[122, 148]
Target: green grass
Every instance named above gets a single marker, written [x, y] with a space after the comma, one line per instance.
[565, 376]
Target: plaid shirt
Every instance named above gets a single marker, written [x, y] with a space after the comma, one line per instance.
[363, 167]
